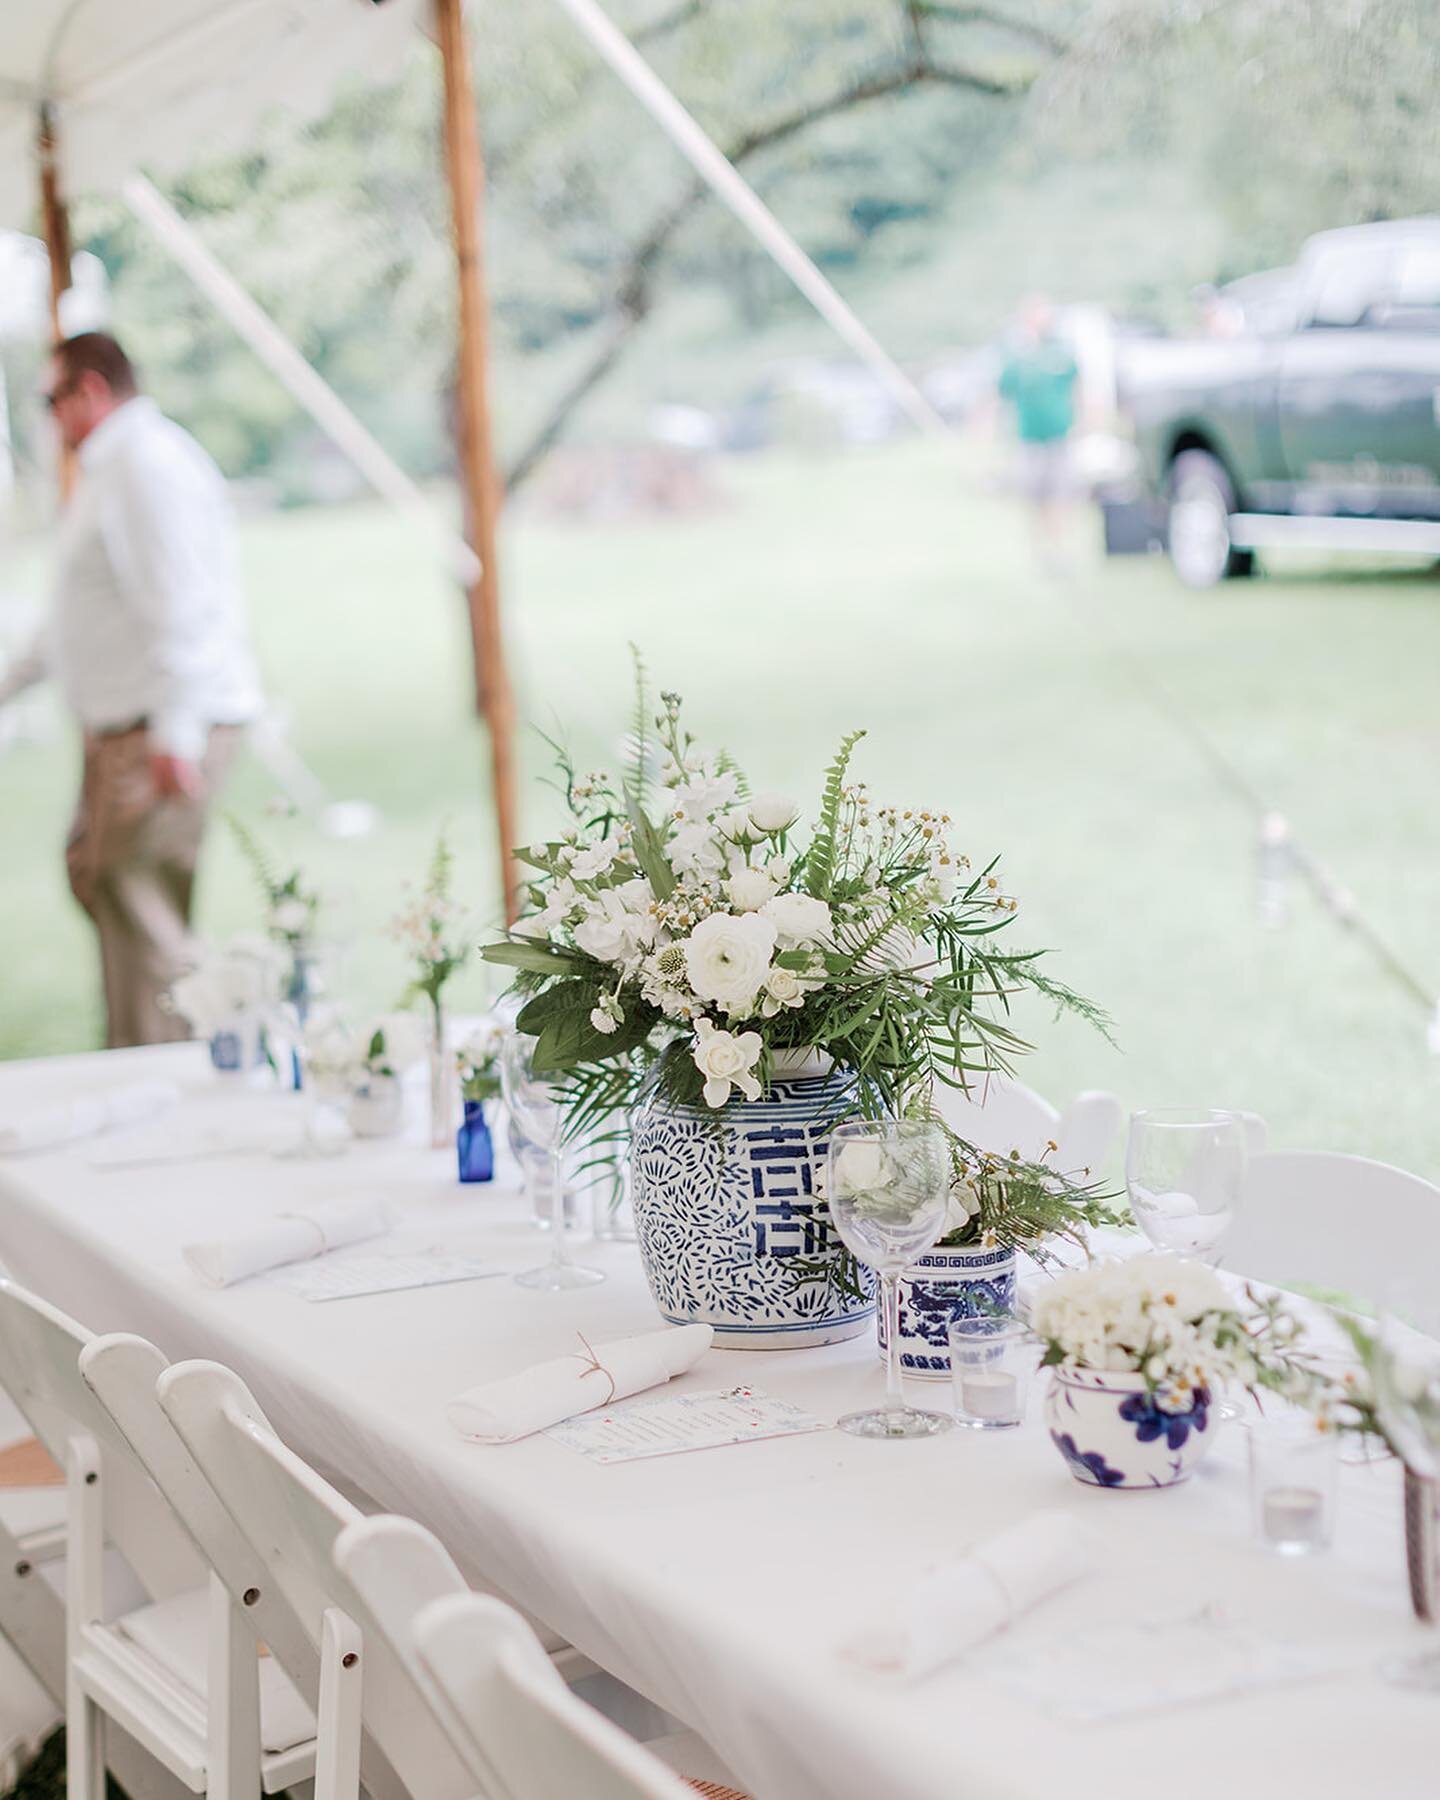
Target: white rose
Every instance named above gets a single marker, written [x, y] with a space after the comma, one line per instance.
[783, 987]
[770, 813]
[798, 919]
[861, 1168]
[750, 888]
[726, 1059]
[728, 958]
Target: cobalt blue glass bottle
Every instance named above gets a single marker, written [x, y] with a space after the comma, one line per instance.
[473, 1144]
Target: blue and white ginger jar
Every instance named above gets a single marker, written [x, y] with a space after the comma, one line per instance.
[1115, 1434]
[728, 1215]
[967, 1281]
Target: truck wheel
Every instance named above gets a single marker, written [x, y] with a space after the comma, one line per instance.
[1198, 529]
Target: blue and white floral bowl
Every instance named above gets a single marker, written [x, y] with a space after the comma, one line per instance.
[1114, 1434]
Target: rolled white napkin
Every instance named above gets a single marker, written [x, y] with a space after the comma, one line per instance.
[960, 1604]
[288, 1237]
[86, 1115]
[498, 1412]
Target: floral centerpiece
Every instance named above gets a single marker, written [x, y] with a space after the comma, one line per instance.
[1138, 1349]
[291, 908]
[362, 1063]
[230, 996]
[432, 929]
[738, 983]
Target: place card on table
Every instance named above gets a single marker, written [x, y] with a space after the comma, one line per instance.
[676, 1422]
[350, 1276]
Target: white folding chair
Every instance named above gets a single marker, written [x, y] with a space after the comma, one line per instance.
[290, 1517]
[1317, 1220]
[523, 1734]
[143, 1665]
[1001, 1114]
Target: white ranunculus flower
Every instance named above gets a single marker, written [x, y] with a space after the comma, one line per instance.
[770, 813]
[726, 1059]
[734, 824]
[798, 919]
[750, 888]
[727, 958]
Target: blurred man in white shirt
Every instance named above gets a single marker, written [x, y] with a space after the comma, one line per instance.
[147, 641]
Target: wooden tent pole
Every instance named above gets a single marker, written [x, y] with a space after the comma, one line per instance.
[55, 219]
[481, 483]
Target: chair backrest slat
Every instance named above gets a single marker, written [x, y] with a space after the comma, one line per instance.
[40, 1350]
[291, 1517]
[521, 1731]
[1319, 1220]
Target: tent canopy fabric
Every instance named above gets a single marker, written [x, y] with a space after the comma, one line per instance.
[149, 83]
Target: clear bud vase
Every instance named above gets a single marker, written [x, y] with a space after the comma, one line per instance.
[444, 1083]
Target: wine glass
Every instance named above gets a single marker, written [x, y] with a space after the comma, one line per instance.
[1185, 1173]
[1407, 1396]
[537, 1106]
[887, 1186]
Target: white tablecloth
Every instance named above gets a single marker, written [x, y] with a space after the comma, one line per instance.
[721, 1583]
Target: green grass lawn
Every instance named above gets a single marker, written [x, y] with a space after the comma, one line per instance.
[884, 589]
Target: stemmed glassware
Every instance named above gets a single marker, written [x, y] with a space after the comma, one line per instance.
[1185, 1175]
[537, 1106]
[1407, 1396]
[888, 1183]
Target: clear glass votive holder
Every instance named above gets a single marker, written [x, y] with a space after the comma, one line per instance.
[991, 1361]
[1294, 1465]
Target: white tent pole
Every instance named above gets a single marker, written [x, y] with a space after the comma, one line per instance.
[284, 361]
[722, 176]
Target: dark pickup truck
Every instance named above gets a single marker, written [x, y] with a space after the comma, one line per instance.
[1310, 416]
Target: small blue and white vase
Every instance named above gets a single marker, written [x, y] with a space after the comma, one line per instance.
[966, 1281]
[1113, 1433]
[732, 1230]
[474, 1146]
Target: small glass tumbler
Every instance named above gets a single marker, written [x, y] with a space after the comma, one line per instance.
[1294, 1464]
[991, 1360]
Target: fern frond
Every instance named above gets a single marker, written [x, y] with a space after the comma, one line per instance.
[820, 862]
[637, 748]
[254, 853]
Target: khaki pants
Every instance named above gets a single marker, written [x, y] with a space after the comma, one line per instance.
[131, 859]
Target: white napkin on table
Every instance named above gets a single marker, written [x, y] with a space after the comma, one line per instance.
[87, 1115]
[289, 1237]
[960, 1604]
[498, 1412]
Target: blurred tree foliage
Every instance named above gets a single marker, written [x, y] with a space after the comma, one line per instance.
[866, 123]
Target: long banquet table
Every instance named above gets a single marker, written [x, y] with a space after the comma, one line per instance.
[721, 1583]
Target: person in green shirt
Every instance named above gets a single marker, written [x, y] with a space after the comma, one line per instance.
[1040, 380]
